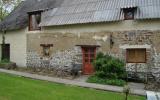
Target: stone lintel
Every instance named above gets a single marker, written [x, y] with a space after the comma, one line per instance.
[126, 46]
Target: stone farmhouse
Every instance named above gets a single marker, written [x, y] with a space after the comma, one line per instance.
[56, 33]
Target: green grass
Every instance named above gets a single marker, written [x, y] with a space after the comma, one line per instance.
[20, 88]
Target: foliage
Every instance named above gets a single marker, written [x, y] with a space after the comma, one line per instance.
[109, 70]
[20, 88]
[6, 6]
[109, 67]
[96, 79]
[4, 61]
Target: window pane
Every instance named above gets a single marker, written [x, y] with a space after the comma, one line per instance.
[86, 50]
[86, 55]
[86, 60]
[92, 56]
[92, 50]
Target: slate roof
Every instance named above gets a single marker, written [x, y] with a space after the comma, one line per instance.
[63, 12]
[18, 18]
[90, 11]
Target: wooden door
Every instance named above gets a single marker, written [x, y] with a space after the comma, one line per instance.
[6, 51]
[89, 54]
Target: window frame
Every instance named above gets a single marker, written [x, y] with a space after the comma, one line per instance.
[30, 20]
[127, 56]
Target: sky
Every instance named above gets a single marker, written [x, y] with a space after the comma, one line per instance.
[11, 7]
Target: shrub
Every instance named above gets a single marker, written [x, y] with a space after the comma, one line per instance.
[109, 70]
[96, 79]
[5, 61]
[109, 67]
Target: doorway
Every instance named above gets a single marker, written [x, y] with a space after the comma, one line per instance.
[89, 54]
[6, 51]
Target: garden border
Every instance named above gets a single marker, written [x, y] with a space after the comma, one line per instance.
[73, 82]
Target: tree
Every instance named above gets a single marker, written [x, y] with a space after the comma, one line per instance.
[6, 6]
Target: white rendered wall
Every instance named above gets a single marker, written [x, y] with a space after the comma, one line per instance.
[17, 41]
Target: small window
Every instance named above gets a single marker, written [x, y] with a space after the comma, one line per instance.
[46, 49]
[34, 21]
[136, 56]
[128, 13]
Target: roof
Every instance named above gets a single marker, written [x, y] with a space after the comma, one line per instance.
[90, 11]
[18, 18]
[63, 12]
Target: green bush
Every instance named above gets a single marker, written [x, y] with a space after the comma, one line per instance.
[95, 79]
[109, 70]
[109, 67]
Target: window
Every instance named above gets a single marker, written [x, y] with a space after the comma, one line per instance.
[34, 20]
[136, 56]
[46, 49]
[128, 13]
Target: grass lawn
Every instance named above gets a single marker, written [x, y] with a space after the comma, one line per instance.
[19, 88]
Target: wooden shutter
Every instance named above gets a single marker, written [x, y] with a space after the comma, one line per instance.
[30, 23]
[34, 21]
[136, 56]
[141, 55]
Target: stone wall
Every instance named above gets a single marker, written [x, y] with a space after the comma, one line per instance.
[59, 59]
[156, 66]
[115, 43]
[33, 59]
[67, 57]
[136, 67]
